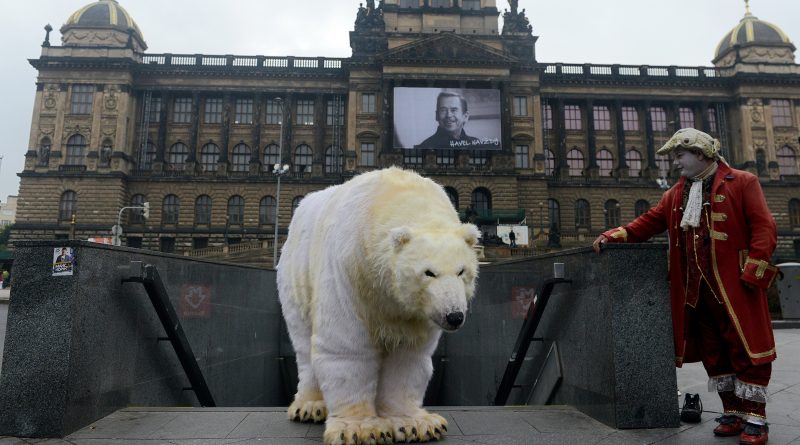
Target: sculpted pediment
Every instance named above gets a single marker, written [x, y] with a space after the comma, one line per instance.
[447, 49]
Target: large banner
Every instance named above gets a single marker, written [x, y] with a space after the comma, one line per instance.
[447, 118]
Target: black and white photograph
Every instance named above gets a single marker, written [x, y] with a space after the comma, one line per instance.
[447, 118]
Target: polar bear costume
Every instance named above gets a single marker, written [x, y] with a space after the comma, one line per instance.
[371, 273]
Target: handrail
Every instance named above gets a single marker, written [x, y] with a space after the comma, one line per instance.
[534, 316]
[147, 274]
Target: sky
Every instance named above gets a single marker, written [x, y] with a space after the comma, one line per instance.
[636, 32]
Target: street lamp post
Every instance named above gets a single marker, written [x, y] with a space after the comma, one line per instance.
[278, 170]
[541, 218]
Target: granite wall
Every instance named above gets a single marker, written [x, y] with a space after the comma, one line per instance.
[81, 346]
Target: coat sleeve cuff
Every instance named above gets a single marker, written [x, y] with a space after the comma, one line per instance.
[618, 235]
[759, 273]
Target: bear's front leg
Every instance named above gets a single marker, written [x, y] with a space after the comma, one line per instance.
[404, 377]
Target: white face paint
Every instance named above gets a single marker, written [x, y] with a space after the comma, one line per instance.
[690, 164]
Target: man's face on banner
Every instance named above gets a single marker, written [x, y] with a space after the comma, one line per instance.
[451, 115]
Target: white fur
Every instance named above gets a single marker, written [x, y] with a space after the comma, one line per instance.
[364, 314]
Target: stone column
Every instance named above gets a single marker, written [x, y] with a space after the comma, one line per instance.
[592, 169]
[194, 129]
[561, 169]
[166, 97]
[651, 169]
[622, 164]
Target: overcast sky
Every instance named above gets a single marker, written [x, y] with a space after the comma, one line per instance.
[653, 32]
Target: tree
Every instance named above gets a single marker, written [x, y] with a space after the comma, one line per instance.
[4, 235]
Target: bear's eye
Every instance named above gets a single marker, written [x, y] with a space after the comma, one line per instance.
[428, 273]
[461, 272]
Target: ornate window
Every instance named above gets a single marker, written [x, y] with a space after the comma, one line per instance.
[547, 117]
[634, 160]
[575, 162]
[686, 116]
[334, 159]
[209, 156]
[44, 152]
[202, 210]
[302, 158]
[296, 203]
[605, 161]
[240, 158]
[794, 213]
[521, 153]
[367, 102]
[781, 113]
[711, 114]
[178, 154]
[334, 114]
[182, 111]
[630, 119]
[243, 111]
[135, 215]
[272, 156]
[367, 154]
[170, 210]
[236, 210]
[663, 163]
[641, 207]
[266, 210]
[572, 117]
[274, 111]
[583, 218]
[611, 211]
[213, 111]
[446, 158]
[481, 200]
[76, 150]
[82, 98]
[67, 205]
[520, 105]
[452, 195]
[146, 156]
[549, 162]
[602, 118]
[659, 118]
[305, 112]
[787, 161]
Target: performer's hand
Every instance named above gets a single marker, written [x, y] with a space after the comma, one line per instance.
[599, 242]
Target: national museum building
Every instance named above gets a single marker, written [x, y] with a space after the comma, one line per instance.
[560, 148]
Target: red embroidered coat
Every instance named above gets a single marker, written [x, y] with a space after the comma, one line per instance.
[743, 237]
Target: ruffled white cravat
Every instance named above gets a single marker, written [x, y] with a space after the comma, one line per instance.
[694, 205]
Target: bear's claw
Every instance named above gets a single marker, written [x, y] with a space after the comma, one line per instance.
[358, 431]
[308, 411]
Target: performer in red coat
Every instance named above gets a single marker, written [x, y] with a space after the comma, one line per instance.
[721, 237]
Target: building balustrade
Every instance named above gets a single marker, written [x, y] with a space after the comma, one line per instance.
[211, 61]
[628, 70]
[72, 168]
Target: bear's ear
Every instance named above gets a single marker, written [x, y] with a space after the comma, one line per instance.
[470, 234]
[400, 236]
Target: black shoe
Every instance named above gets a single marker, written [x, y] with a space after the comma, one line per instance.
[692, 408]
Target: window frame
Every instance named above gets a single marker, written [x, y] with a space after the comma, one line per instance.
[76, 150]
[304, 112]
[241, 154]
[82, 99]
[368, 154]
[369, 103]
[605, 162]
[575, 165]
[658, 119]
[781, 113]
[302, 161]
[522, 155]
[787, 160]
[212, 110]
[602, 118]
[202, 210]
[633, 159]
[243, 111]
[209, 157]
[573, 119]
[67, 205]
[583, 214]
[266, 210]
[520, 106]
[235, 210]
[182, 110]
[630, 118]
[170, 209]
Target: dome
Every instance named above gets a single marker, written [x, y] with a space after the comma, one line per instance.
[752, 32]
[106, 15]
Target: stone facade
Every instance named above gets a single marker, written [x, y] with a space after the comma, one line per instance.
[144, 121]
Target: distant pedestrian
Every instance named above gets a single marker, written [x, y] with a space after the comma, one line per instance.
[513, 238]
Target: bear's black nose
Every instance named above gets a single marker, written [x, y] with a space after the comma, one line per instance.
[455, 319]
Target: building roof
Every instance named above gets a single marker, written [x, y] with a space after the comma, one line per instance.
[103, 14]
[751, 31]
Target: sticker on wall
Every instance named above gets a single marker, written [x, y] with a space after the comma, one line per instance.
[195, 301]
[521, 300]
[63, 261]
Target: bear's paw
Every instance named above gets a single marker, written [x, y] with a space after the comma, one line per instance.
[422, 426]
[358, 431]
[302, 410]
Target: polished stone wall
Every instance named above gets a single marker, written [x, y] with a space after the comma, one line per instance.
[82, 346]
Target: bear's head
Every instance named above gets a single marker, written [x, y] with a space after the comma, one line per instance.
[435, 271]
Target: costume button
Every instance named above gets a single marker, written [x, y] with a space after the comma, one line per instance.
[696, 236]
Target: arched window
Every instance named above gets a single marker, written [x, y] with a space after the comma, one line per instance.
[549, 162]
[272, 156]
[135, 216]
[634, 160]
[663, 163]
[235, 210]
[575, 162]
[641, 207]
[266, 210]
[67, 205]
[481, 200]
[302, 158]
[794, 213]
[76, 150]
[105, 152]
[761, 162]
[554, 214]
[787, 161]
[334, 159]
[44, 152]
[146, 156]
[452, 194]
[611, 211]
[170, 210]
[583, 217]
[605, 161]
[240, 158]
[177, 156]
[296, 203]
[202, 210]
[209, 156]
